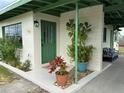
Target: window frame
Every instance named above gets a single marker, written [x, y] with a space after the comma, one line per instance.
[16, 27]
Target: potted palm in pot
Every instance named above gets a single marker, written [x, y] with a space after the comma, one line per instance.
[62, 75]
[84, 51]
[85, 57]
[88, 53]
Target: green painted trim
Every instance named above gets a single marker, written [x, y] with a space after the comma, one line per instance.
[76, 40]
[25, 8]
[57, 4]
[15, 5]
[114, 8]
[43, 1]
[48, 2]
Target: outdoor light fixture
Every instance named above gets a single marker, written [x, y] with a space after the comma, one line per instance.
[36, 23]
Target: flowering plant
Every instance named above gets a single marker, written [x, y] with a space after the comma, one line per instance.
[58, 62]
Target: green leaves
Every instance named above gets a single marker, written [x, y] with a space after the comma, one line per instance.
[88, 50]
[25, 66]
[70, 50]
[8, 50]
[84, 52]
[84, 28]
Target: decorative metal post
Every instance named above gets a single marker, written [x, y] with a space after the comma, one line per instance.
[76, 41]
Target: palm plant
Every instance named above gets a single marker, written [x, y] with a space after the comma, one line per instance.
[84, 51]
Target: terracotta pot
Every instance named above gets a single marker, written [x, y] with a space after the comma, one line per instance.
[62, 79]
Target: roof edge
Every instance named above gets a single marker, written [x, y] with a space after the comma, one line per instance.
[14, 5]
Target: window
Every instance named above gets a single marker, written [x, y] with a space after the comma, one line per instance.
[104, 35]
[13, 31]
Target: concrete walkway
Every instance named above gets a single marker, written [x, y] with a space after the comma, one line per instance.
[110, 81]
[21, 86]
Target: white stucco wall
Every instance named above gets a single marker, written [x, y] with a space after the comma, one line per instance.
[108, 36]
[95, 16]
[37, 36]
[32, 35]
[27, 33]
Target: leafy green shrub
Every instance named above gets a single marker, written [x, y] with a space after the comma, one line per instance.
[26, 65]
[8, 48]
[15, 63]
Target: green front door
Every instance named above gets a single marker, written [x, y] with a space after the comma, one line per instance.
[48, 40]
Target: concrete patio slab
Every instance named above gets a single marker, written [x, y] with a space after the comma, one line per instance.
[110, 81]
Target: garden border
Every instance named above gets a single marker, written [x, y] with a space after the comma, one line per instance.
[72, 89]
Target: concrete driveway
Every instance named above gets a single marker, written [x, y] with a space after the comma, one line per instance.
[110, 81]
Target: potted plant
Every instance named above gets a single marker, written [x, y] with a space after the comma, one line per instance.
[84, 51]
[85, 57]
[62, 74]
[88, 53]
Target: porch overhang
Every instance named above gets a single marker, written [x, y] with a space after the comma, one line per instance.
[53, 7]
[114, 12]
[13, 9]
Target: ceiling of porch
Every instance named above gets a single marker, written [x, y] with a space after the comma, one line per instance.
[114, 9]
[114, 12]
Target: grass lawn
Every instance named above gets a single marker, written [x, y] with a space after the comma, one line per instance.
[121, 50]
[5, 75]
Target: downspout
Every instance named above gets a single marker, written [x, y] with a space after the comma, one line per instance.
[76, 40]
